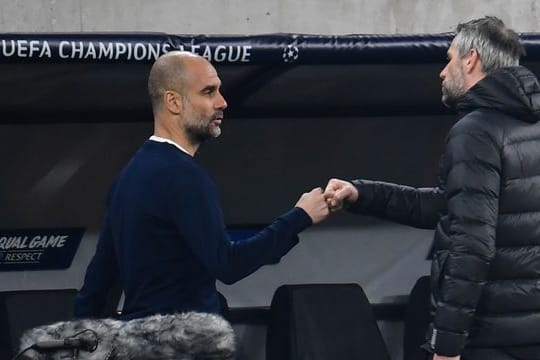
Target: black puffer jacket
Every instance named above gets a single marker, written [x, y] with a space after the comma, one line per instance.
[486, 271]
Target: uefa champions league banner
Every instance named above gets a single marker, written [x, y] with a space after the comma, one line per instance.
[256, 49]
[38, 249]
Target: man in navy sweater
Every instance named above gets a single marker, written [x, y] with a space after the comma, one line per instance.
[164, 236]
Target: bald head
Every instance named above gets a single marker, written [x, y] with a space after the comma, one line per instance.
[169, 72]
[186, 99]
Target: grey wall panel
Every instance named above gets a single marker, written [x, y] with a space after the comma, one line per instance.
[248, 17]
[385, 259]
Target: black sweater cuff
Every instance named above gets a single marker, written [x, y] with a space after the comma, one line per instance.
[298, 219]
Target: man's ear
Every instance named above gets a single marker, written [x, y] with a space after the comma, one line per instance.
[472, 62]
[173, 102]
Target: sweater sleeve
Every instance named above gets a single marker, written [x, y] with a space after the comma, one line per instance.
[473, 182]
[418, 207]
[100, 277]
[194, 205]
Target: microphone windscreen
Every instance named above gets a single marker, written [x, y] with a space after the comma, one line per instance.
[186, 336]
[194, 335]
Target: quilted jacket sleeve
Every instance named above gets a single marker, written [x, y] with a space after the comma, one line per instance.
[418, 207]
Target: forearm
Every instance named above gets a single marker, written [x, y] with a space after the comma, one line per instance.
[101, 274]
[418, 207]
[92, 299]
[266, 247]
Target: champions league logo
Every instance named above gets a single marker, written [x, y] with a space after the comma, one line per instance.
[290, 54]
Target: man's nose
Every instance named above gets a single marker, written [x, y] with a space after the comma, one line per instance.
[221, 102]
[442, 74]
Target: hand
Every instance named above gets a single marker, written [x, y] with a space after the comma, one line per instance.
[338, 192]
[314, 204]
[440, 357]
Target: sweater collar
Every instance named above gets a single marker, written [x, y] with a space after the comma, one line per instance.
[168, 141]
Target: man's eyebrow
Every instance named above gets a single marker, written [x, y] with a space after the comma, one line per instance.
[210, 87]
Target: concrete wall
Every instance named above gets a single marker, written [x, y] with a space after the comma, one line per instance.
[256, 17]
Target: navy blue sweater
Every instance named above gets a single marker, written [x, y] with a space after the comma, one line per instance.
[164, 239]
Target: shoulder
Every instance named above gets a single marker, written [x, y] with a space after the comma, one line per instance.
[183, 171]
[482, 125]
[475, 138]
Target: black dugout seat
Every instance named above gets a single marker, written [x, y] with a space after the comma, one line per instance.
[323, 322]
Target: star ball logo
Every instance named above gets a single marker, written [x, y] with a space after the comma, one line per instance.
[290, 54]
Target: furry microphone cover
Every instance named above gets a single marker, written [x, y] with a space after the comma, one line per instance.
[186, 336]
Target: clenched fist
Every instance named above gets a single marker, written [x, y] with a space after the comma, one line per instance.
[338, 192]
[314, 204]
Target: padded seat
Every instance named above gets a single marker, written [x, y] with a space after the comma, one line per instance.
[323, 322]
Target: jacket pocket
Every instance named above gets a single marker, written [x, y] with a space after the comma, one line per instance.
[437, 270]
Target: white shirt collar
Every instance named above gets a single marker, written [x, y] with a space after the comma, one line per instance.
[168, 141]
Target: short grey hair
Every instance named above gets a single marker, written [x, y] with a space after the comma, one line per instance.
[497, 45]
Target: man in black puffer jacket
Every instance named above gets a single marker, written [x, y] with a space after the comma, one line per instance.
[485, 275]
